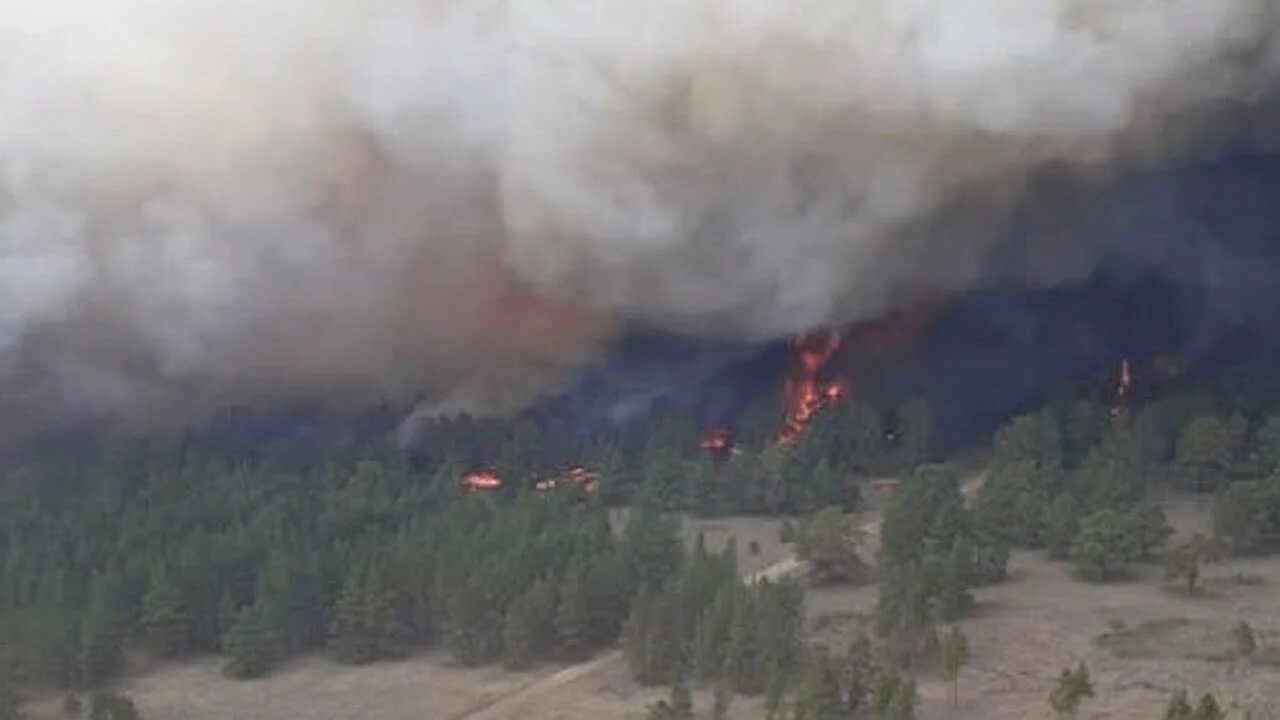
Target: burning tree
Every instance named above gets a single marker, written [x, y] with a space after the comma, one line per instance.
[804, 393]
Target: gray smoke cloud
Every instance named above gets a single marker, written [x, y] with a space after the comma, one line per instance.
[204, 201]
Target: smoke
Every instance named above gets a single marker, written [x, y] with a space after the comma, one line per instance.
[206, 201]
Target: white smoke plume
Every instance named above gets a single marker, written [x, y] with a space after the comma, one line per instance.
[208, 200]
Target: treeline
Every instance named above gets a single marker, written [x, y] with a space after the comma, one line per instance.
[844, 444]
[368, 562]
[1076, 480]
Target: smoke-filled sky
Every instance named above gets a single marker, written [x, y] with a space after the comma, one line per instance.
[205, 201]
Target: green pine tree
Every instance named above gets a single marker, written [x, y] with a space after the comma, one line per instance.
[164, 615]
[248, 645]
[111, 706]
[1072, 688]
[1179, 707]
[573, 617]
[721, 701]
[1208, 709]
[529, 629]
[954, 649]
[1105, 547]
[351, 638]
[902, 706]
[821, 695]
[102, 631]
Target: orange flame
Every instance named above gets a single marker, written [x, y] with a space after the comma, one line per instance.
[803, 393]
[481, 481]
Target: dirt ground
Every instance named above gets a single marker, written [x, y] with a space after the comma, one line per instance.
[1141, 640]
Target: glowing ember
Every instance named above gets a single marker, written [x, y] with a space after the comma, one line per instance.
[481, 481]
[716, 441]
[577, 476]
[803, 393]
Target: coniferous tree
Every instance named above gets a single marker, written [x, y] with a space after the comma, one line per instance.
[894, 693]
[1208, 709]
[1061, 525]
[1204, 452]
[10, 699]
[1105, 547]
[111, 706]
[164, 615]
[821, 696]
[1246, 642]
[249, 645]
[742, 654]
[350, 636]
[826, 542]
[902, 705]
[1183, 562]
[1072, 687]
[572, 618]
[721, 701]
[1179, 707]
[102, 631]
[954, 650]
[529, 630]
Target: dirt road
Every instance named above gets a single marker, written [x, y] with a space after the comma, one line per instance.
[517, 703]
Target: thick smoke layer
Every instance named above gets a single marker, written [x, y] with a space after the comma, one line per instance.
[204, 201]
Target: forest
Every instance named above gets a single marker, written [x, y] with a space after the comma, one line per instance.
[246, 547]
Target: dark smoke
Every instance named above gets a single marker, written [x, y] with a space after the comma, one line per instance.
[459, 202]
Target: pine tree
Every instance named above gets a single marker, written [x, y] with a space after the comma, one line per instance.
[1208, 709]
[902, 706]
[1061, 524]
[637, 636]
[1204, 452]
[1105, 547]
[826, 543]
[681, 700]
[164, 615]
[954, 650]
[350, 637]
[1179, 707]
[572, 619]
[951, 596]
[288, 595]
[102, 630]
[110, 706]
[1183, 562]
[742, 655]
[529, 629]
[228, 613]
[915, 432]
[383, 617]
[10, 699]
[722, 700]
[1245, 639]
[859, 676]
[894, 690]
[821, 696]
[248, 645]
[1071, 689]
